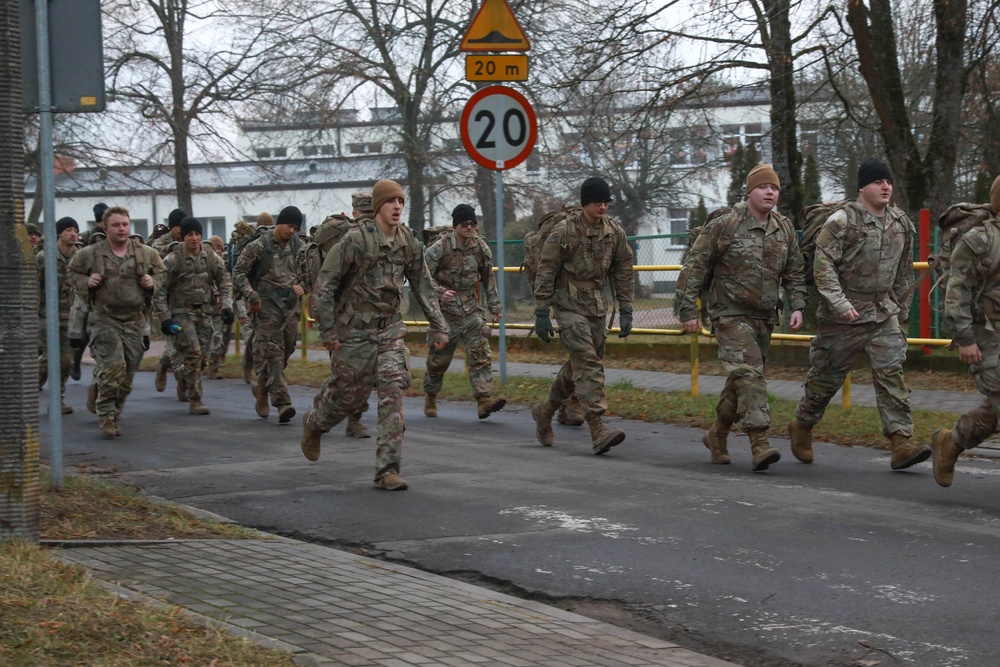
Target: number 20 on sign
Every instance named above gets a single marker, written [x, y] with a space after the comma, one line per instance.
[498, 128]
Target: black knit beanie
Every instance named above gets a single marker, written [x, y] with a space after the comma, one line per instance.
[872, 170]
[594, 189]
[62, 224]
[176, 217]
[189, 225]
[289, 215]
[462, 213]
[99, 210]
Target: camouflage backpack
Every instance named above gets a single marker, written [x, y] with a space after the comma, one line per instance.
[953, 223]
[242, 234]
[813, 218]
[311, 257]
[533, 241]
[431, 234]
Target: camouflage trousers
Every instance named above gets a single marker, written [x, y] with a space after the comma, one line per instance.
[583, 374]
[743, 346]
[65, 355]
[246, 334]
[366, 358]
[981, 422]
[221, 336]
[274, 336]
[117, 350]
[473, 331]
[832, 356]
[191, 346]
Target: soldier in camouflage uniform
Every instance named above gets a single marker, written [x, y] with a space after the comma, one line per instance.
[863, 260]
[241, 232]
[170, 360]
[185, 304]
[67, 231]
[579, 257]
[35, 237]
[746, 255]
[221, 331]
[972, 308]
[358, 296]
[267, 276]
[118, 278]
[461, 266]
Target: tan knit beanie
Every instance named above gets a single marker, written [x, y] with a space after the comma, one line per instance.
[761, 174]
[995, 195]
[385, 190]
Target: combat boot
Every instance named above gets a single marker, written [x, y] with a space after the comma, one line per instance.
[67, 409]
[542, 414]
[118, 430]
[247, 373]
[430, 405]
[571, 413]
[802, 440]
[212, 372]
[260, 393]
[161, 374]
[310, 437]
[946, 453]
[487, 405]
[715, 440]
[906, 454]
[392, 482]
[108, 431]
[602, 438]
[763, 453]
[92, 398]
[355, 429]
[196, 407]
[285, 413]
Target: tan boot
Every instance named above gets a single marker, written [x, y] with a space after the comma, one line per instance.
[67, 409]
[310, 437]
[715, 440]
[92, 398]
[212, 372]
[260, 393]
[285, 413]
[763, 453]
[570, 413]
[602, 438]
[487, 405]
[196, 407]
[161, 374]
[118, 430]
[430, 405]
[542, 414]
[392, 482]
[355, 429]
[247, 374]
[946, 454]
[108, 431]
[802, 441]
[906, 454]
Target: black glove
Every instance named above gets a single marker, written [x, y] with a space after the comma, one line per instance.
[625, 323]
[145, 343]
[167, 327]
[543, 325]
[76, 343]
[227, 316]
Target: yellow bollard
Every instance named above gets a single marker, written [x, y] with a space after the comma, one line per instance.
[694, 363]
[304, 330]
[846, 389]
[236, 335]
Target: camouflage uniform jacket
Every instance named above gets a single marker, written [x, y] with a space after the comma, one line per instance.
[191, 283]
[746, 277]
[66, 291]
[119, 295]
[462, 268]
[972, 300]
[866, 270]
[362, 281]
[576, 262]
[163, 243]
[281, 276]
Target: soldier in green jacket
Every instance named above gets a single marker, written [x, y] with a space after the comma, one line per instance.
[67, 232]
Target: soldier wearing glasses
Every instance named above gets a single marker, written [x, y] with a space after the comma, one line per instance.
[461, 268]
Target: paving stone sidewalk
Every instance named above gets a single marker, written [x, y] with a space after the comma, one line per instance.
[330, 607]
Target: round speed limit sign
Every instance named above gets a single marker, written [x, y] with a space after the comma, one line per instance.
[498, 127]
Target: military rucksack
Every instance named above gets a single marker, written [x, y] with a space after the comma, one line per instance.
[430, 235]
[369, 234]
[954, 223]
[243, 233]
[329, 232]
[534, 240]
[813, 218]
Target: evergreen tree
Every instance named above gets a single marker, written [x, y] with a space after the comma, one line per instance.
[812, 193]
[737, 177]
[981, 190]
[851, 178]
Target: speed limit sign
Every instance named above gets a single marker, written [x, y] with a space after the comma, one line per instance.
[498, 127]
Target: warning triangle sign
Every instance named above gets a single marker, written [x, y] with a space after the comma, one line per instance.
[494, 28]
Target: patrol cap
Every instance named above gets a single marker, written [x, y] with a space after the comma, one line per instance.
[362, 201]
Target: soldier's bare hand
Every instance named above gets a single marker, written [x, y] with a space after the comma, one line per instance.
[256, 306]
[448, 295]
[146, 281]
[691, 326]
[496, 318]
[849, 316]
[299, 291]
[970, 354]
[795, 321]
[95, 280]
[332, 345]
[438, 346]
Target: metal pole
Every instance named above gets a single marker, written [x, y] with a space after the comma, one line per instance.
[501, 280]
[47, 167]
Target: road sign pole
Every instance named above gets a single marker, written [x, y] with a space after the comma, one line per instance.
[501, 279]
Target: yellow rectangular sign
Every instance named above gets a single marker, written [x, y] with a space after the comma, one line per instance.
[496, 68]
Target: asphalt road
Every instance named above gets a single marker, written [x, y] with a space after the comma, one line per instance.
[838, 563]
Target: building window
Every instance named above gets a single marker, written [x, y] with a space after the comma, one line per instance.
[213, 227]
[140, 226]
[313, 151]
[679, 226]
[358, 149]
[265, 153]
